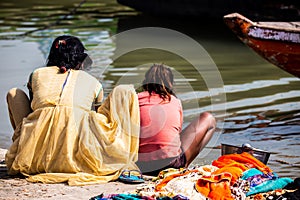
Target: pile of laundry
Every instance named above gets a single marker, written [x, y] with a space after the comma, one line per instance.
[232, 176]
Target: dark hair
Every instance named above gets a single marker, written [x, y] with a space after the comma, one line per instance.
[67, 52]
[159, 79]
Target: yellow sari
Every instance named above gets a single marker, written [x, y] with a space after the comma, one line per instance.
[63, 140]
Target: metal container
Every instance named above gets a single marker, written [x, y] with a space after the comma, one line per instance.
[261, 155]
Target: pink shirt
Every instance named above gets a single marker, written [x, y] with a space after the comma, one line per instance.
[161, 123]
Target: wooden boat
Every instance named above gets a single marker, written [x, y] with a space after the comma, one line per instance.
[267, 9]
[277, 42]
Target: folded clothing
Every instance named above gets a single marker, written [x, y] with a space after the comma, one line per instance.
[244, 158]
[269, 186]
[251, 172]
[234, 170]
[215, 187]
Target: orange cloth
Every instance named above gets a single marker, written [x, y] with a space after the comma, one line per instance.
[216, 186]
[246, 159]
[231, 167]
[235, 170]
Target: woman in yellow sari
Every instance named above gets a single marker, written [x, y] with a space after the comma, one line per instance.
[58, 137]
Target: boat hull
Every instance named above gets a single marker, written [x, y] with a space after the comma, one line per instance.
[278, 43]
[285, 56]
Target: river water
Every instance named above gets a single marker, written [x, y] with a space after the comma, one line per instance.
[254, 101]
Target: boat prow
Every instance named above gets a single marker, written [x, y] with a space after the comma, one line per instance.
[277, 42]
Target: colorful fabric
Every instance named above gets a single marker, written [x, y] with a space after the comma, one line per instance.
[235, 172]
[239, 189]
[246, 159]
[171, 182]
[279, 194]
[164, 182]
[185, 185]
[204, 183]
[161, 123]
[251, 172]
[120, 197]
[63, 140]
[260, 178]
[269, 186]
[215, 187]
[170, 174]
[136, 197]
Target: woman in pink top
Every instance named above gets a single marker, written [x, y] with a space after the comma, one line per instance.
[162, 142]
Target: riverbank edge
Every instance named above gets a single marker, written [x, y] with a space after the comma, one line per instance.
[12, 188]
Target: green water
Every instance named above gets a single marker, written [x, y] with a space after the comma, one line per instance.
[254, 101]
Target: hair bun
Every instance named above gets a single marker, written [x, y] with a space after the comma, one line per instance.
[63, 69]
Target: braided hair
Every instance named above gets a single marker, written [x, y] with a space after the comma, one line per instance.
[159, 79]
[67, 52]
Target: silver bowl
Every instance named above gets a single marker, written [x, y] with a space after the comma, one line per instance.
[261, 155]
